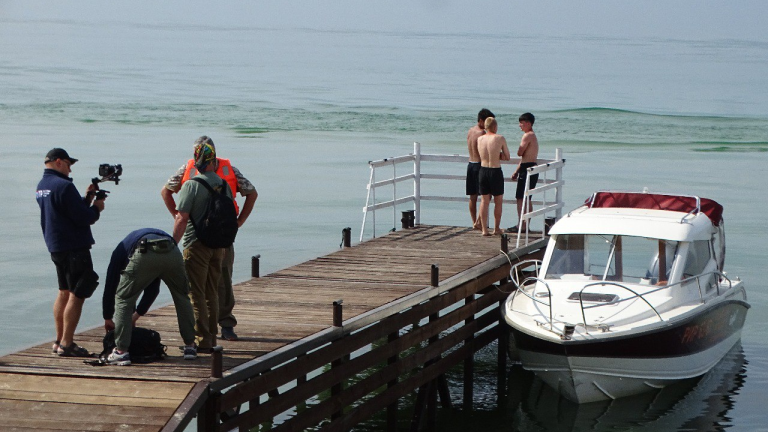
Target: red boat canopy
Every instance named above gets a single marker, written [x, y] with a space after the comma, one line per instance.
[685, 204]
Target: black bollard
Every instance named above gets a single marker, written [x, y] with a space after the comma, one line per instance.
[435, 275]
[346, 237]
[255, 265]
[548, 222]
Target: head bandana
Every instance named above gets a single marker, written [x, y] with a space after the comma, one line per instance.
[204, 155]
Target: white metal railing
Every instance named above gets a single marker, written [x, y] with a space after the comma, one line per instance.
[393, 177]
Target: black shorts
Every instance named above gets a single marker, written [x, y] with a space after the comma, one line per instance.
[473, 181]
[491, 181]
[74, 270]
[521, 175]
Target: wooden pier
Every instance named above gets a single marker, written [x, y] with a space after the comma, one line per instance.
[328, 342]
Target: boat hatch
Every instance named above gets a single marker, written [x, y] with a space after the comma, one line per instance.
[594, 297]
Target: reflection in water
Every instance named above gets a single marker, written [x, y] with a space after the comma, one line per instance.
[696, 404]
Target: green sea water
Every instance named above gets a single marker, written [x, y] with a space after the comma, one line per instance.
[300, 111]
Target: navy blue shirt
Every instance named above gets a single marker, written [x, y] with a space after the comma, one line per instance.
[65, 216]
[120, 257]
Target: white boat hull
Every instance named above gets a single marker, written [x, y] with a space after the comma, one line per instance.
[592, 379]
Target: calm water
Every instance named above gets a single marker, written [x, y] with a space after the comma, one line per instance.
[301, 110]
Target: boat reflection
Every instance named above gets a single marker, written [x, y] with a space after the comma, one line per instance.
[696, 404]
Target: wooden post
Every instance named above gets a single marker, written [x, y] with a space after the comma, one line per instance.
[392, 408]
[337, 313]
[501, 380]
[469, 363]
[217, 362]
[208, 418]
[255, 265]
[346, 237]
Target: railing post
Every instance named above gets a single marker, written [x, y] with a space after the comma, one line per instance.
[559, 179]
[208, 419]
[469, 362]
[417, 181]
[217, 362]
[392, 408]
[338, 387]
[255, 265]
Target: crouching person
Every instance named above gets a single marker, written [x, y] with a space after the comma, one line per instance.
[142, 259]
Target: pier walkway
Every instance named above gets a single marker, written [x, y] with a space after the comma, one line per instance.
[40, 391]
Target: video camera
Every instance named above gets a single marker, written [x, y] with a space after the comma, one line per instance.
[108, 173]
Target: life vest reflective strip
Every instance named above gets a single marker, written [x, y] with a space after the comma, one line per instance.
[224, 171]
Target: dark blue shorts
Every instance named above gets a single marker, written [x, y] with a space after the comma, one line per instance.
[521, 175]
[491, 181]
[473, 180]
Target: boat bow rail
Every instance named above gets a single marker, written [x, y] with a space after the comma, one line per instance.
[532, 283]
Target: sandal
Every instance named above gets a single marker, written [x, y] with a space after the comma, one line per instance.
[73, 351]
[55, 347]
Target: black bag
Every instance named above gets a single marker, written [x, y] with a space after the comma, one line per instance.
[218, 227]
[145, 345]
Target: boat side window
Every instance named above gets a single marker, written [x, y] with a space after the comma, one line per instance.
[567, 256]
[668, 249]
[699, 255]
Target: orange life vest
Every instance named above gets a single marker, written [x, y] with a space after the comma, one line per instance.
[224, 170]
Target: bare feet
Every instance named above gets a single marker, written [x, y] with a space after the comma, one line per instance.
[487, 234]
[477, 225]
[498, 232]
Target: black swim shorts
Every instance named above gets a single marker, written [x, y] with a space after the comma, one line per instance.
[491, 181]
[473, 181]
[74, 270]
[522, 174]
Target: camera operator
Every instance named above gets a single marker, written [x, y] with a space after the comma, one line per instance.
[66, 220]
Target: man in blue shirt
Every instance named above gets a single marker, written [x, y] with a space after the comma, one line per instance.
[138, 263]
[66, 220]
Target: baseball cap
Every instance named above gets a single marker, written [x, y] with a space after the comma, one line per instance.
[58, 153]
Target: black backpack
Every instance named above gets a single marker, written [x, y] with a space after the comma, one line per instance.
[145, 345]
[218, 226]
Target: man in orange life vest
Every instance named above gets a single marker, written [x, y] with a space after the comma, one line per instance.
[238, 184]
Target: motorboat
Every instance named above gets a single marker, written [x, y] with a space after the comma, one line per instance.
[630, 296]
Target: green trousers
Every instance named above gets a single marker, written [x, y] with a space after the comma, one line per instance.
[203, 266]
[161, 260]
[226, 295]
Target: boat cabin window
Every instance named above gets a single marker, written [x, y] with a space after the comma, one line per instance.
[699, 255]
[612, 258]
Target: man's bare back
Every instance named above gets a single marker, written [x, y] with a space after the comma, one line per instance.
[492, 149]
[474, 133]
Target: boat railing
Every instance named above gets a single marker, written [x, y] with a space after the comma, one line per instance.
[389, 174]
[532, 296]
[641, 296]
[635, 295]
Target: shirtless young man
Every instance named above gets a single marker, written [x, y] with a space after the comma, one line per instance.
[528, 152]
[492, 149]
[473, 168]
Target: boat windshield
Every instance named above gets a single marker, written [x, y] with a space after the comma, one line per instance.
[612, 258]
